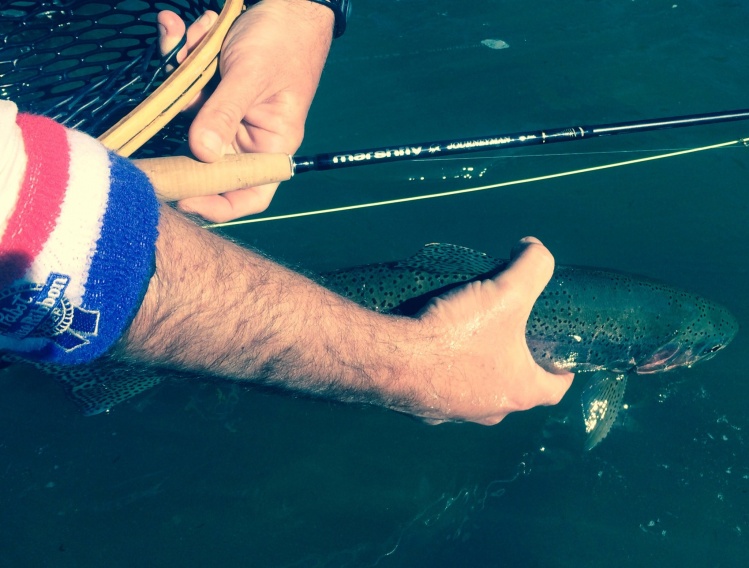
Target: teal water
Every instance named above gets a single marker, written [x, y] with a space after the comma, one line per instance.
[205, 474]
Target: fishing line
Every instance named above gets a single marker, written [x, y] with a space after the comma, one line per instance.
[743, 141]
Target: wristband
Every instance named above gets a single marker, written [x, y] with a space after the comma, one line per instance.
[77, 240]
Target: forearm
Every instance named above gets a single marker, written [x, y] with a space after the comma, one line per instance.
[72, 276]
[213, 306]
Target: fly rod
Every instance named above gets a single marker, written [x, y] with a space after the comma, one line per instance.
[178, 177]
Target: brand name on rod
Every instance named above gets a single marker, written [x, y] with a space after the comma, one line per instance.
[378, 154]
[436, 148]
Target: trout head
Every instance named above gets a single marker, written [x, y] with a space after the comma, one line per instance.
[710, 329]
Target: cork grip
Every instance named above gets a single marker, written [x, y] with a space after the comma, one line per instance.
[178, 177]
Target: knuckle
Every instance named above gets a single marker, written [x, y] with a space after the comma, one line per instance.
[491, 421]
[294, 139]
[226, 115]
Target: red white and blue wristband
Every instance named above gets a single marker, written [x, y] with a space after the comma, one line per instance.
[78, 228]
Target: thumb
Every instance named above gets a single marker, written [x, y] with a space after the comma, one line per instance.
[215, 127]
[530, 269]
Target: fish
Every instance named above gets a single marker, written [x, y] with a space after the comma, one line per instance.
[608, 324]
[587, 320]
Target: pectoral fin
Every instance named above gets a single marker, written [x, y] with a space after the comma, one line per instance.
[602, 399]
[98, 386]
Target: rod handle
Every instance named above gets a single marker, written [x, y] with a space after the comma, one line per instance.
[179, 177]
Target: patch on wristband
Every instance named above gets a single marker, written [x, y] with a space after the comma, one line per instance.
[36, 310]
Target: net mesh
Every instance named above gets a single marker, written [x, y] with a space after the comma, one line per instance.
[87, 63]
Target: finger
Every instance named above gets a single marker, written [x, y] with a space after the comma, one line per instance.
[523, 244]
[433, 421]
[529, 272]
[216, 124]
[492, 420]
[530, 269]
[171, 30]
[198, 29]
[552, 386]
[221, 208]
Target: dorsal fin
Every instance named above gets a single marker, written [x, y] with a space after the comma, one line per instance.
[450, 259]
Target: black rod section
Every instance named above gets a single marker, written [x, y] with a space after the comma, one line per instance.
[347, 159]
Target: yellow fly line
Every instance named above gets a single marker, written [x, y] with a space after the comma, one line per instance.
[744, 141]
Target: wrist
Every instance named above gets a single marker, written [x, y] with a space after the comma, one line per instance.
[311, 14]
[341, 10]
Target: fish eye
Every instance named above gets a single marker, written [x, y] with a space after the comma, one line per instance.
[715, 348]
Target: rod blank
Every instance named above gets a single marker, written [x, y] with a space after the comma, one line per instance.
[179, 177]
[513, 140]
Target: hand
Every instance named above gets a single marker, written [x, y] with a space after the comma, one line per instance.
[483, 369]
[270, 64]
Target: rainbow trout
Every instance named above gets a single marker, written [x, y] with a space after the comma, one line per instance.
[595, 321]
[586, 320]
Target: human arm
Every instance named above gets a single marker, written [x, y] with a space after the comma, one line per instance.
[198, 302]
[270, 65]
[248, 318]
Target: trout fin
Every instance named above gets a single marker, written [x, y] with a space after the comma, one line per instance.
[98, 386]
[602, 399]
[452, 260]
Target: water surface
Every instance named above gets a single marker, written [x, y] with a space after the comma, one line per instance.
[206, 474]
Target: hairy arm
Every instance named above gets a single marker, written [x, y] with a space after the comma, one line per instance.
[246, 317]
[80, 228]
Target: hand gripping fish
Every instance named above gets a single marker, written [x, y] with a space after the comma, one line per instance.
[586, 320]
